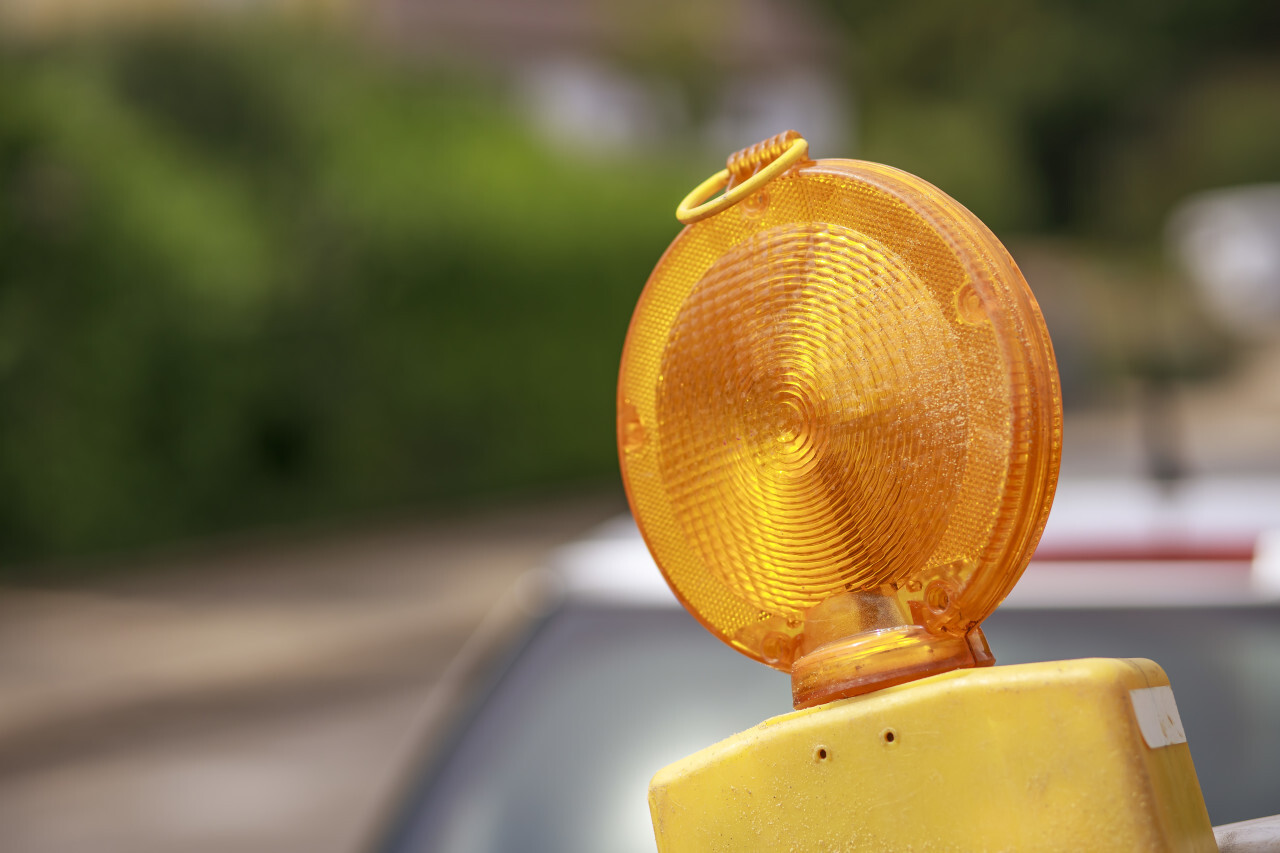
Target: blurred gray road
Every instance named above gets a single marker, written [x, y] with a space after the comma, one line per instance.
[258, 697]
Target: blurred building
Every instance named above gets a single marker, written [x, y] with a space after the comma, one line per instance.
[592, 75]
[35, 18]
[621, 75]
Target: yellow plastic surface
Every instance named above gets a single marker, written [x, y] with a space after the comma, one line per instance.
[839, 421]
[696, 205]
[1046, 756]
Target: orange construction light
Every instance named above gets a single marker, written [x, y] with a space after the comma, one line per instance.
[839, 420]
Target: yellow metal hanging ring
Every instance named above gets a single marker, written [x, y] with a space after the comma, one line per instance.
[695, 206]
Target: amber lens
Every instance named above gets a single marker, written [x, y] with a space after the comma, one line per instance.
[787, 388]
[843, 386]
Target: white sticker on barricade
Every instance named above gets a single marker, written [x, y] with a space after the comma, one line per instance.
[1157, 715]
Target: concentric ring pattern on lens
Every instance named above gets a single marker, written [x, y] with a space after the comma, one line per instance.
[839, 385]
[798, 369]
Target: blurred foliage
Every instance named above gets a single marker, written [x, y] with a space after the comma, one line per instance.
[1090, 118]
[263, 279]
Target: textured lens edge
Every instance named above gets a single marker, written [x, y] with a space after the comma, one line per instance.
[1042, 407]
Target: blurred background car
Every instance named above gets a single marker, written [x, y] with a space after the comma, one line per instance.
[553, 746]
[310, 313]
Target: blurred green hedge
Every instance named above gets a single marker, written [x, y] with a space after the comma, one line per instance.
[265, 276]
[261, 280]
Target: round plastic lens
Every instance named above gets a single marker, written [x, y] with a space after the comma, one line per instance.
[834, 395]
[783, 402]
